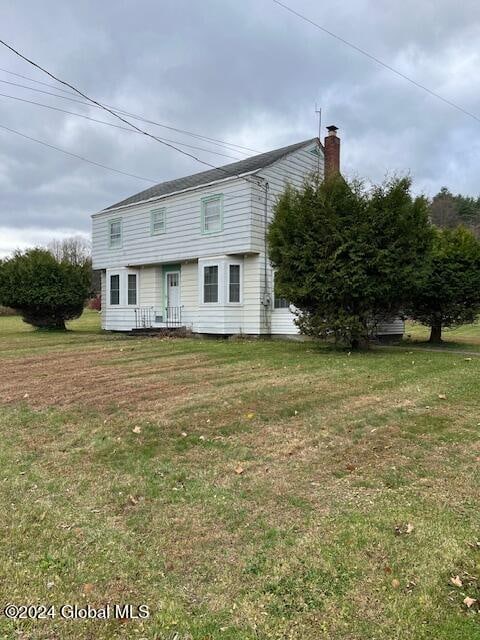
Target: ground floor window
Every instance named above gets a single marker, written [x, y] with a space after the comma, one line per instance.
[234, 283]
[280, 303]
[132, 288]
[210, 283]
[115, 289]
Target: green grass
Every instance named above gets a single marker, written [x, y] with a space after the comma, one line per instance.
[464, 337]
[242, 490]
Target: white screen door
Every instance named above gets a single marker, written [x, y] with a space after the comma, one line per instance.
[173, 289]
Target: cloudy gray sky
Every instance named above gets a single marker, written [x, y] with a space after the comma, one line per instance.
[245, 72]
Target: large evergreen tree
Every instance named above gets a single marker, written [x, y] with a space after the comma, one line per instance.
[450, 295]
[347, 257]
[44, 290]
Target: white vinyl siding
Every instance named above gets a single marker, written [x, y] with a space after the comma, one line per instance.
[212, 215]
[183, 239]
[115, 233]
[158, 221]
[210, 284]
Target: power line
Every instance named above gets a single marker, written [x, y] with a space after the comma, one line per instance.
[107, 109]
[215, 141]
[74, 155]
[121, 118]
[109, 124]
[45, 84]
[377, 60]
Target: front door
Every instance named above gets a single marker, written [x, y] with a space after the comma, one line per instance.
[173, 298]
[173, 289]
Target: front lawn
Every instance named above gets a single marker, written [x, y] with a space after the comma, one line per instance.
[464, 337]
[241, 489]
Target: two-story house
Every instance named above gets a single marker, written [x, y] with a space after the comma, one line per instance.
[192, 252]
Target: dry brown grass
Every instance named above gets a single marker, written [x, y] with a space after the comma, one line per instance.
[242, 490]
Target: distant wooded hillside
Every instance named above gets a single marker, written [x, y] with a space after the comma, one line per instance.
[449, 211]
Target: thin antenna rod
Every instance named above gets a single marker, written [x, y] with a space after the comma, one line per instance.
[318, 111]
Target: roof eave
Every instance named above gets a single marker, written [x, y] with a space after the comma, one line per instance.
[175, 193]
[244, 175]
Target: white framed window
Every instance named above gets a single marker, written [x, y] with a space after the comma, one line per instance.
[280, 303]
[158, 221]
[210, 283]
[234, 283]
[212, 214]
[132, 288]
[115, 233]
[115, 289]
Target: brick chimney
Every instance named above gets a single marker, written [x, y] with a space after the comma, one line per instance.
[332, 152]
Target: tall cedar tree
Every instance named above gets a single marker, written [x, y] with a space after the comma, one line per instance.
[44, 290]
[450, 295]
[346, 257]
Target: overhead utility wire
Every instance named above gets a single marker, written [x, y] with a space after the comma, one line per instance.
[109, 124]
[88, 104]
[124, 120]
[378, 61]
[216, 141]
[74, 155]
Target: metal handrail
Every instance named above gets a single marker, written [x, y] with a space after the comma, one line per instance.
[143, 317]
[173, 316]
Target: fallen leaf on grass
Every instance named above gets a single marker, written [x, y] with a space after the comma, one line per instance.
[442, 396]
[403, 529]
[133, 500]
[456, 581]
[410, 586]
[137, 430]
[239, 470]
[469, 601]
[395, 583]
[250, 415]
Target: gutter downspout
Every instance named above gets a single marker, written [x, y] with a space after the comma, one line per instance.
[265, 243]
[266, 298]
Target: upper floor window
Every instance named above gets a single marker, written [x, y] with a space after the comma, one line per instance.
[115, 233]
[212, 214]
[132, 288]
[210, 283]
[234, 283]
[115, 289]
[157, 221]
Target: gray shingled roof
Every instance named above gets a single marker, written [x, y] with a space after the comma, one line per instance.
[254, 163]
